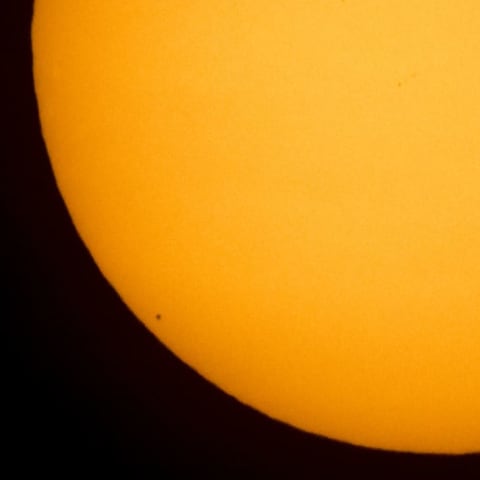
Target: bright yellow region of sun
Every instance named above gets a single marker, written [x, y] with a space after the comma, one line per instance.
[294, 186]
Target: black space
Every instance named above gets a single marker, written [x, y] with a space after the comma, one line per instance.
[86, 387]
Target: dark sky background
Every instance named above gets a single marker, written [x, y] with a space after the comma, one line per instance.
[86, 386]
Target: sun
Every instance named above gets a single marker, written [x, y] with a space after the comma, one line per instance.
[286, 193]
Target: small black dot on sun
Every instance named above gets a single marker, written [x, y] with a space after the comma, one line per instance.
[158, 316]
